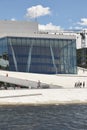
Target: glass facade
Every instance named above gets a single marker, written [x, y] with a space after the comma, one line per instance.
[38, 55]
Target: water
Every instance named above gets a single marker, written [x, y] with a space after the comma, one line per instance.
[61, 117]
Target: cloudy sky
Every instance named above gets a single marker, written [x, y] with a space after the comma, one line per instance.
[50, 14]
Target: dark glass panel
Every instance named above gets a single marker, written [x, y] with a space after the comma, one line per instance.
[39, 55]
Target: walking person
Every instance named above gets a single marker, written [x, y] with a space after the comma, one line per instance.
[83, 84]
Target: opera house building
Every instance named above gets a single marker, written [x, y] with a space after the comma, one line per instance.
[24, 49]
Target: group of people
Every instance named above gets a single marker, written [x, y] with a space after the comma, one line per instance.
[80, 84]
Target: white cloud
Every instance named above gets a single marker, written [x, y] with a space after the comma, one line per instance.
[49, 26]
[83, 22]
[75, 28]
[78, 28]
[37, 11]
[13, 19]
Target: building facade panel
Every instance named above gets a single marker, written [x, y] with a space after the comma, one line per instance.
[17, 27]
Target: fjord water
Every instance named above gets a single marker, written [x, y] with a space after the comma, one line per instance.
[57, 117]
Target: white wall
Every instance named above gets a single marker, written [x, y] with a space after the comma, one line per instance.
[15, 27]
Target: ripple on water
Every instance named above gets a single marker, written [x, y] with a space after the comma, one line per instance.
[58, 117]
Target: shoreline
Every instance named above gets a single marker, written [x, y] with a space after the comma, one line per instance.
[44, 104]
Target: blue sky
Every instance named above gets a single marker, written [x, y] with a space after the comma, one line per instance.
[54, 14]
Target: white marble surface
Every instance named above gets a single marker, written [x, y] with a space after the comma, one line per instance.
[43, 96]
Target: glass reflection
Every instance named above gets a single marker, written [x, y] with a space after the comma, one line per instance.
[38, 55]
